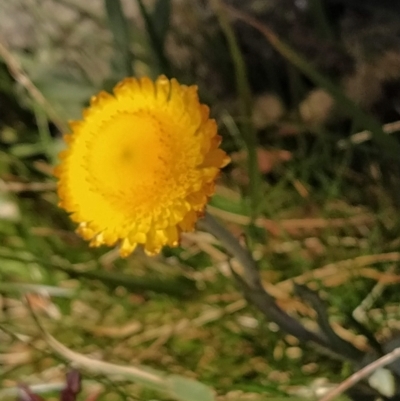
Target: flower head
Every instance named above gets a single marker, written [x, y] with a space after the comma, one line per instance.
[141, 165]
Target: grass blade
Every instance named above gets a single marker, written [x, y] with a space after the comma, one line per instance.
[161, 19]
[178, 287]
[361, 118]
[321, 20]
[156, 40]
[245, 98]
[119, 28]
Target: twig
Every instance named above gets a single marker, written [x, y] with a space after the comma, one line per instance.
[16, 187]
[359, 313]
[35, 388]
[21, 77]
[362, 374]
[295, 227]
[366, 135]
[170, 384]
[140, 374]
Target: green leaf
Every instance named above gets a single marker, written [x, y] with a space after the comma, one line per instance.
[24, 150]
[6, 82]
[66, 92]
[119, 28]
[185, 389]
[230, 205]
[22, 288]
[161, 18]
[156, 41]
[178, 287]
[246, 107]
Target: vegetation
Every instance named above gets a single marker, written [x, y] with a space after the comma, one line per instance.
[305, 97]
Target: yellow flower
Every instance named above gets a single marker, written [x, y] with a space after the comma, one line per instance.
[141, 165]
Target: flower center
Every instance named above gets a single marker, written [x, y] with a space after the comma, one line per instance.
[130, 157]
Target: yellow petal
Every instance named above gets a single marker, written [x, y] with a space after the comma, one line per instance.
[140, 166]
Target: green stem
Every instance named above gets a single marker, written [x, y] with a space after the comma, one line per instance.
[321, 20]
[254, 291]
[232, 245]
[246, 107]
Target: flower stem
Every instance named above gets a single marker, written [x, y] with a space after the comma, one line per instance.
[251, 285]
[246, 107]
[232, 245]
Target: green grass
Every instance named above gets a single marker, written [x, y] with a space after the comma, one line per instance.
[181, 314]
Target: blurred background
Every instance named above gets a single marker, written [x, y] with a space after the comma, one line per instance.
[306, 94]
